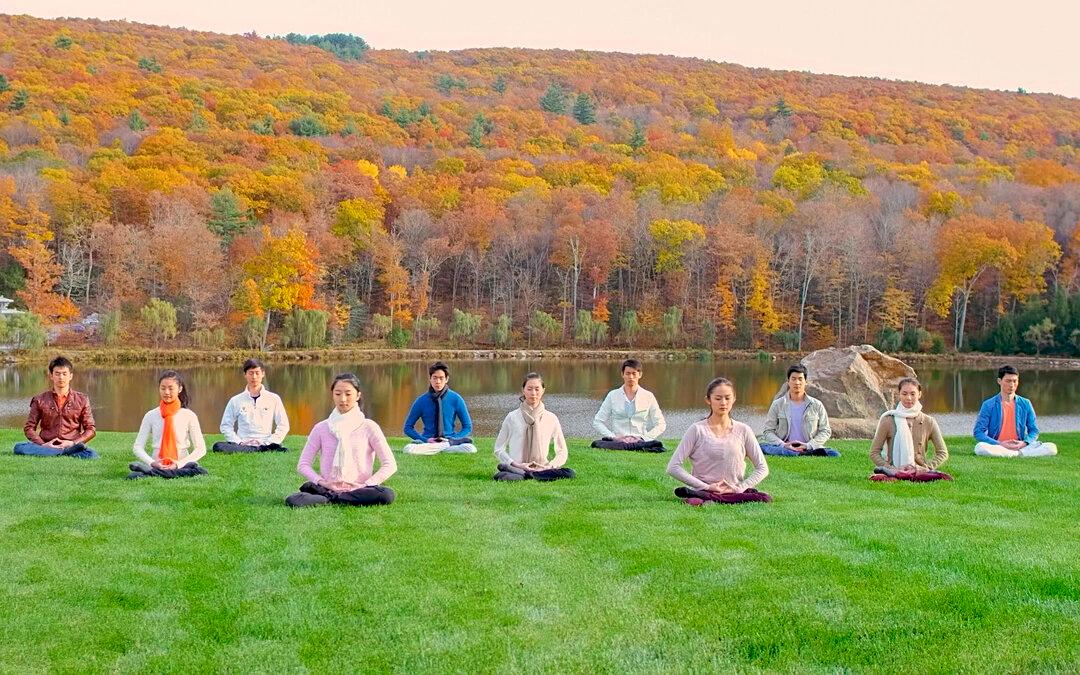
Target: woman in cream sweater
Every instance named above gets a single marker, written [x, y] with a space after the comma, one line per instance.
[527, 433]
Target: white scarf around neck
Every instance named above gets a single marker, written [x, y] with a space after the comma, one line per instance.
[346, 466]
[903, 446]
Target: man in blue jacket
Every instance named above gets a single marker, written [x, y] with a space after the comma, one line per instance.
[439, 409]
[1006, 423]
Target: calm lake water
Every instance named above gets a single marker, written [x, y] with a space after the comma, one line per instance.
[121, 395]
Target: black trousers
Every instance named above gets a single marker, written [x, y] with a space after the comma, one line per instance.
[606, 443]
[227, 447]
[313, 494]
[143, 470]
[508, 472]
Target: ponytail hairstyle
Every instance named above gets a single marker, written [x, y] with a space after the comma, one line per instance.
[184, 397]
[355, 382]
[713, 384]
[530, 376]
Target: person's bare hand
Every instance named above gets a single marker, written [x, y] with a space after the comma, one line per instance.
[250, 441]
[721, 487]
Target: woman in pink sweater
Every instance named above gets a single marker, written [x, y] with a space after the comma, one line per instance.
[718, 448]
[347, 444]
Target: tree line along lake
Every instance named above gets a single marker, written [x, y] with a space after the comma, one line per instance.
[122, 394]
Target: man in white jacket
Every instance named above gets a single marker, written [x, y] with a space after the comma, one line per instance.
[630, 418]
[255, 419]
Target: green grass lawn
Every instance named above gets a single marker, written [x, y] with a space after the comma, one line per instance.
[607, 573]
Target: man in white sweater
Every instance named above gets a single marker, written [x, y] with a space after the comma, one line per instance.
[255, 419]
[630, 418]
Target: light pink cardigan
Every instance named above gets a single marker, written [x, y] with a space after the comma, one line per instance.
[368, 439]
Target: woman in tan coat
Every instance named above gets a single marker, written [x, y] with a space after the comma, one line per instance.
[900, 444]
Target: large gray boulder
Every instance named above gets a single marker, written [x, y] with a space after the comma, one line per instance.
[856, 384]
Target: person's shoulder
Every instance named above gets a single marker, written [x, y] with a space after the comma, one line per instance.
[454, 396]
[743, 428]
[40, 398]
[188, 413]
[149, 416]
[696, 427]
[370, 425]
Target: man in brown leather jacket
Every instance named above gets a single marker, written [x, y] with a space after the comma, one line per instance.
[60, 420]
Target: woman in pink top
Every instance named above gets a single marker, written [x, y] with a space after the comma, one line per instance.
[347, 444]
[718, 448]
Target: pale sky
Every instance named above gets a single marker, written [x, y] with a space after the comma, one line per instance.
[989, 44]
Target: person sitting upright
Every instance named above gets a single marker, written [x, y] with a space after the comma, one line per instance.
[526, 434]
[903, 434]
[630, 418]
[718, 448]
[346, 445]
[441, 410]
[797, 423]
[174, 432]
[1006, 424]
[60, 420]
[254, 420]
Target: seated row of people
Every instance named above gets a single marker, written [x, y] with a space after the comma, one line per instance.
[347, 444]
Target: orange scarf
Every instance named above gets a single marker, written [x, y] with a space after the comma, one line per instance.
[168, 454]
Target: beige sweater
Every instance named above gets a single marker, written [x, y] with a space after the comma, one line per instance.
[923, 429]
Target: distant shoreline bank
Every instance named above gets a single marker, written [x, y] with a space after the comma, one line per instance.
[140, 356]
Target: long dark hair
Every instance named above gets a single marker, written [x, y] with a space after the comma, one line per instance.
[184, 397]
[355, 382]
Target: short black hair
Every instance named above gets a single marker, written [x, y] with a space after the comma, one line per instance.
[61, 362]
[1007, 370]
[254, 363]
[436, 367]
[631, 363]
[797, 368]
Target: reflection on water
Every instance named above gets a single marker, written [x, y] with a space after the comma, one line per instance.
[120, 395]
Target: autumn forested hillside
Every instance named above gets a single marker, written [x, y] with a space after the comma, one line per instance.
[514, 197]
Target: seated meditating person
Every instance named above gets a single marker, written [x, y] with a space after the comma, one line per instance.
[447, 424]
[898, 450]
[718, 448]
[254, 420]
[1006, 424]
[178, 443]
[346, 444]
[797, 423]
[60, 420]
[629, 418]
[525, 436]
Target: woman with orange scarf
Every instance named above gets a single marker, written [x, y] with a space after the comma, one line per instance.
[177, 437]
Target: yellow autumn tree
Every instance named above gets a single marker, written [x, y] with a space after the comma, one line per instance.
[968, 247]
[280, 275]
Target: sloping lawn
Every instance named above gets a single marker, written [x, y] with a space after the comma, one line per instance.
[606, 573]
